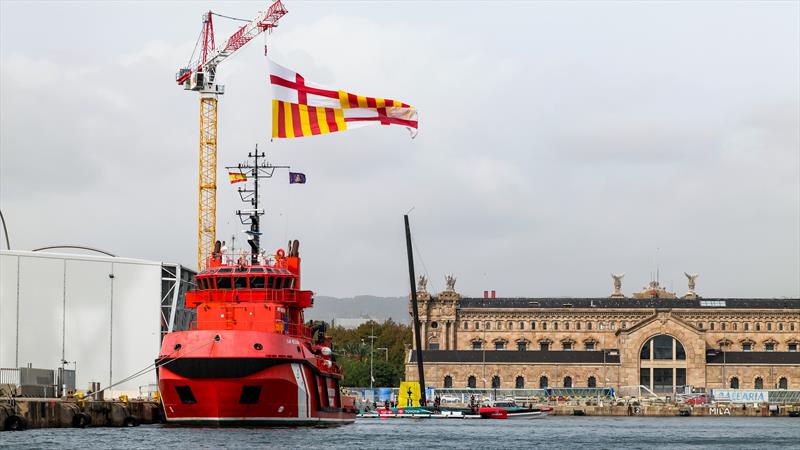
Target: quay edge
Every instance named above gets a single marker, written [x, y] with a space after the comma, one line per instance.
[21, 413]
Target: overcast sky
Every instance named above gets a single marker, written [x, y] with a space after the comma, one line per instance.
[559, 142]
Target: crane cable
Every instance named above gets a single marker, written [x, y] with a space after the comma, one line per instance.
[163, 362]
[229, 17]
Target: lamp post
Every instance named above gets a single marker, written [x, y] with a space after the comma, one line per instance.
[371, 338]
[386, 350]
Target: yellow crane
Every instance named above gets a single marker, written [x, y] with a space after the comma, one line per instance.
[199, 76]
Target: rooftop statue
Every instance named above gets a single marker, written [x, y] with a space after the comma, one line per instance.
[450, 280]
[422, 284]
[690, 278]
[617, 286]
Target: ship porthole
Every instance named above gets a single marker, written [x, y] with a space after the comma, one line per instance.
[177, 347]
[258, 346]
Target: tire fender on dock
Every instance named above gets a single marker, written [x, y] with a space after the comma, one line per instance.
[81, 420]
[130, 421]
[15, 422]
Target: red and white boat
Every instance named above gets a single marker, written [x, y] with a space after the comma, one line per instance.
[249, 359]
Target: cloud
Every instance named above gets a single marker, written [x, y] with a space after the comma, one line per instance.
[556, 145]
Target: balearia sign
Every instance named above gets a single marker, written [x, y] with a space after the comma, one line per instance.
[741, 395]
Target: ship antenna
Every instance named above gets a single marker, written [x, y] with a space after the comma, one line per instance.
[260, 168]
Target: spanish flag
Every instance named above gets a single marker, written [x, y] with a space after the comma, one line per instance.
[237, 177]
[303, 108]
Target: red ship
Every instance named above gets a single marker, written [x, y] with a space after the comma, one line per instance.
[250, 359]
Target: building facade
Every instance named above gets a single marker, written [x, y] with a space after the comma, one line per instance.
[652, 338]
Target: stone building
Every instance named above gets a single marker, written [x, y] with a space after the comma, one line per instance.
[652, 338]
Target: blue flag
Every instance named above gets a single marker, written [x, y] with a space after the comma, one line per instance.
[296, 177]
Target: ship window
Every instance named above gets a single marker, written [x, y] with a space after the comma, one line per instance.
[291, 283]
[185, 394]
[240, 283]
[270, 282]
[250, 394]
[223, 282]
[256, 269]
[226, 270]
[257, 283]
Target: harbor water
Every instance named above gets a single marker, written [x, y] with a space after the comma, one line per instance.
[550, 432]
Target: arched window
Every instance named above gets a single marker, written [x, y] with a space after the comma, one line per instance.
[477, 325]
[471, 382]
[488, 325]
[783, 383]
[448, 381]
[567, 382]
[592, 382]
[735, 383]
[521, 325]
[543, 382]
[655, 371]
[663, 347]
[495, 382]
[499, 325]
[520, 382]
[466, 325]
[510, 325]
[759, 383]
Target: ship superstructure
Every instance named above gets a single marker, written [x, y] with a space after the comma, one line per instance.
[249, 358]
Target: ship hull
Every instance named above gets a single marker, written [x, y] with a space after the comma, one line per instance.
[267, 391]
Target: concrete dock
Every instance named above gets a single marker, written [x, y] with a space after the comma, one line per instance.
[22, 413]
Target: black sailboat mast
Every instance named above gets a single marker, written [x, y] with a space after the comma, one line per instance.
[415, 311]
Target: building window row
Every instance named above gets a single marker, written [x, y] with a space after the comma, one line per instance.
[758, 383]
[542, 325]
[519, 382]
[544, 344]
[747, 326]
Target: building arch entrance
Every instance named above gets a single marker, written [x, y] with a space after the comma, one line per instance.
[662, 364]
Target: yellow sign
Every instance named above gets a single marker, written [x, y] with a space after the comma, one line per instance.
[409, 394]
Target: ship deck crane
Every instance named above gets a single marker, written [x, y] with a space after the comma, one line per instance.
[199, 76]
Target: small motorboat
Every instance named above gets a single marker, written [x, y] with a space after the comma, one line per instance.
[510, 410]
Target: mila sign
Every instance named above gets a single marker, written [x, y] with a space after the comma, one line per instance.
[741, 395]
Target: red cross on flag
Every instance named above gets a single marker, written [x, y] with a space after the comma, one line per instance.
[303, 108]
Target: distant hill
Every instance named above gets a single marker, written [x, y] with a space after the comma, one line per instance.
[378, 308]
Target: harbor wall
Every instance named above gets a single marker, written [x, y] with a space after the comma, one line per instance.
[57, 413]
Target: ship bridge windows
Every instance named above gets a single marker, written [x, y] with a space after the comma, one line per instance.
[224, 282]
[240, 282]
[257, 283]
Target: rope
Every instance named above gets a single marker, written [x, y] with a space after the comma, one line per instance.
[229, 17]
[197, 43]
[422, 260]
[152, 367]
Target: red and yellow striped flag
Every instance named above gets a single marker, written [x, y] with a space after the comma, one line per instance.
[302, 108]
[237, 177]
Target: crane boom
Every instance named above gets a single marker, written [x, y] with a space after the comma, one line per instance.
[199, 76]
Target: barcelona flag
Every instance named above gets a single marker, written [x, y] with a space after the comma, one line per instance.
[297, 177]
[304, 108]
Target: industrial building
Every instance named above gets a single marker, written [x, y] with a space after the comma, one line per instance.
[100, 316]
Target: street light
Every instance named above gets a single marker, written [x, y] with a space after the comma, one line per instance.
[385, 350]
[371, 338]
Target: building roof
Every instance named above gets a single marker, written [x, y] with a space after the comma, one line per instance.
[631, 303]
[777, 358]
[514, 356]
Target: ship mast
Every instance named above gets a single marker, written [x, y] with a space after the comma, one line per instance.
[259, 168]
